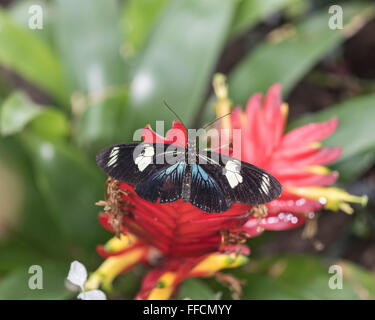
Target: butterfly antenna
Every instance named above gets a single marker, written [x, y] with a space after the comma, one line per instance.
[212, 122]
[171, 110]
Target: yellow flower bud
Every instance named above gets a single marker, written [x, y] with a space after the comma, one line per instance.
[217, 261]
[117, 244]
[112, 267]
[164, 287]
[331, 198]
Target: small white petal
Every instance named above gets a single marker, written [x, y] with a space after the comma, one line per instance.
[92, 295]
[70, 286]
[77, 274]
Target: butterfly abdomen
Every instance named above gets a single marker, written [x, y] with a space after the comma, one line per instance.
[190, 158]
[186, 184]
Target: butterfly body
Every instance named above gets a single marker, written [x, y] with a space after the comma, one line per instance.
[208, 180]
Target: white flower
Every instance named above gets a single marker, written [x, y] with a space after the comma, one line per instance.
[76, 279]
[92, 295]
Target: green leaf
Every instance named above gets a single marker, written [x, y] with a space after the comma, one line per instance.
[304, 277]
[287, 59]
[33, 221]
[28, 55]
[70, 185]
[351, 168]
[360, 279]
[16, 253]
[16, 284]
[138, 19]
[89, 43]
[250, 12]
[195, 289]
[102, 121]
[18, 111]
[51, 124]
[177, 62]
[356, 123]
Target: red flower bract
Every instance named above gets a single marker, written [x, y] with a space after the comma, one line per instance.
[179, 241]
[179, 229]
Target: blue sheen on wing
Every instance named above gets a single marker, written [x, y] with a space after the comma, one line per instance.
[179, 166]
[206, 193]
[198, 169]
[165, 184]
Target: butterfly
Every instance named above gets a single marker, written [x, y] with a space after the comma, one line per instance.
[208, 180]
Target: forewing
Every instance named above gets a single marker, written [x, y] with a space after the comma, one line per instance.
[134, 162]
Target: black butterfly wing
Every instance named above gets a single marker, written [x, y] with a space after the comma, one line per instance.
[241, 181]
[118, 162]
[165, 183]
[155, 169]
[206, 192]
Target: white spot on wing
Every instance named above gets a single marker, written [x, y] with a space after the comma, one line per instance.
[145, 158]
[113, 156]
[232, 173]
[265, 185]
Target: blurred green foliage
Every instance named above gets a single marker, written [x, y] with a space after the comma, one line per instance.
[101, 69]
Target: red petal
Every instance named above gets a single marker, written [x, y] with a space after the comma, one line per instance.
[320, 157]
[210, 223]
[294, 152]
[103, 219]
[283, 221]
[251, 144]
[273, 117]
[252, 229]
[272, 103]
[292, 203]
[312, 180]
[176, 135]
[278, 222]
[236, 115]
[310, 133]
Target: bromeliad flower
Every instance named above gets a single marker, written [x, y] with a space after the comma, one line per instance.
[178, 241]
[296, 159]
